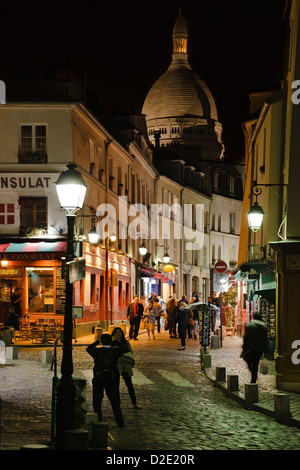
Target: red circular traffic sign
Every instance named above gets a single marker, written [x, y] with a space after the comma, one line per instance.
[221, 267]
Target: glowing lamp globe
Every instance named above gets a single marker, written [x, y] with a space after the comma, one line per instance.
[71, 189]
[168, 268]
[255, 217]
[93, 236]
[143, 250]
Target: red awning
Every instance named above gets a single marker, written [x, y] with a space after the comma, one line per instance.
[33, 251]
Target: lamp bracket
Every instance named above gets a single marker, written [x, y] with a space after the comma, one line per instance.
[256, 189]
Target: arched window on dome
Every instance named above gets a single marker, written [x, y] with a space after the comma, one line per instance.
[180, 46]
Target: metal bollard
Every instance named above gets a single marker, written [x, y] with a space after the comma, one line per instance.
[46, 357]
[282, 407]
[232, 383]
[251, 393]
[221, 374]
[76, 439]
[100, 435]
[11, 352]
[98, 333]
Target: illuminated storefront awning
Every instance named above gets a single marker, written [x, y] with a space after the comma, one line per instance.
[33, 251]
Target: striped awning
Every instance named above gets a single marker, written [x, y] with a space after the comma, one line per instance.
[33, 251]
[36, 247]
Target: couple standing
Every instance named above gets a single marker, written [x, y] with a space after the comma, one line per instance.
[135, 311]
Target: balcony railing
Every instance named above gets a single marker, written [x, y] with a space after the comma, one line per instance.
[32, 157]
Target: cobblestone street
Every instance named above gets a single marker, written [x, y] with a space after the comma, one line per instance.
[181, 409]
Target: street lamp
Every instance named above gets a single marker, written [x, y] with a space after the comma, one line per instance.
[71, 190]
[255, 217]
[166, 257]
[143, 249]
[256, 213]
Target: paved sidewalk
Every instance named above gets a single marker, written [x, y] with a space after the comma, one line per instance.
[228, 356]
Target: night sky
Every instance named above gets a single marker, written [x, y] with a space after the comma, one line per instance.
[234, 46]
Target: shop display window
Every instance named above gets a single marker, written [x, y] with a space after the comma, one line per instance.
[40, 282]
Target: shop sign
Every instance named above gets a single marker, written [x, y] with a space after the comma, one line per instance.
[76, 270]
[26, 256]
[10, 272]
[24, 182]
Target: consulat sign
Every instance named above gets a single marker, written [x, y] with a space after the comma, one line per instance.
[27, 256]
[25, 181]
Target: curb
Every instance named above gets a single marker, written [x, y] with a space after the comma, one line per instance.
[239, 398]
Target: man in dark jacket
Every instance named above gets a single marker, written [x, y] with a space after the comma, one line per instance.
[181, 318]
[12, 320]
[135, 312]
[255, 344]
[106, 376]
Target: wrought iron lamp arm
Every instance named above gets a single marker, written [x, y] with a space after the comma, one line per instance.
[256, 190]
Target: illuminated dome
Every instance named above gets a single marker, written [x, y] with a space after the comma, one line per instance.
[180, 105]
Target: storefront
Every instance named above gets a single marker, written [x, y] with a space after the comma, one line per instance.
[104, 298]
[149, 280]
[256, 293]
[35, 268]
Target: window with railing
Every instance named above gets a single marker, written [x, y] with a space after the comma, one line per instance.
[33, 143]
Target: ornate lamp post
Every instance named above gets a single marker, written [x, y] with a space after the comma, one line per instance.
[71, 190]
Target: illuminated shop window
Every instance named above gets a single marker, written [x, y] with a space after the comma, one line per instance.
[40, 289]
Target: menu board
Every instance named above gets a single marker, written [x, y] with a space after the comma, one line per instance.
[268, 313]
[60, 293]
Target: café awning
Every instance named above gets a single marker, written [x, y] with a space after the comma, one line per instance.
[33, 251]
[35, 247]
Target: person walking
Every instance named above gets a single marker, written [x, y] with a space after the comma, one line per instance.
[149, 319]
[196, 323]
[12, 320]
[157, 305]
[135, 312]
[255, 344]
[16, 301]
[171, 308]
[106, 376]
[182, 322]
[125, 363]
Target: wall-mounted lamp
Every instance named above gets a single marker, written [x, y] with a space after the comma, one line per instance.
[4, 263]
[166, 257]
[143, 249]
[256, 213]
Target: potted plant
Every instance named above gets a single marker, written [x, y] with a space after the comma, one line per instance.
[230, 299]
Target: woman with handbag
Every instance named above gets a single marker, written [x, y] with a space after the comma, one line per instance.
[149, 318]
[126, 363]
